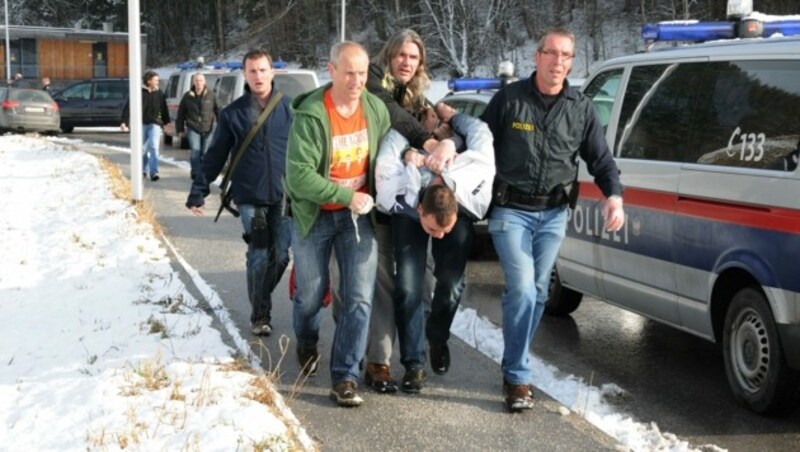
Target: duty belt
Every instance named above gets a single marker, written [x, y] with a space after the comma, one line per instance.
[537, 202]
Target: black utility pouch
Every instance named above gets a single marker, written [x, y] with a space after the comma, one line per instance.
[573, 190]
[500, 193]
[259, 229]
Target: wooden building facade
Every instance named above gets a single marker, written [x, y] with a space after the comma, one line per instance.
[66, 54]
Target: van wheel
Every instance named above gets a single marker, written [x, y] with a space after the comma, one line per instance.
[67, 129]
[756, 368]
[561, 300]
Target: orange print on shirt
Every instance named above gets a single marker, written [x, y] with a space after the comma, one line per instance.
[349, 151]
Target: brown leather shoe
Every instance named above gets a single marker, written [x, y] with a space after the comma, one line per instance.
[379, 378]
[518, 397]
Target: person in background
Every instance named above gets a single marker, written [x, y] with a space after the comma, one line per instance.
[197, 113]
[330, 168]
[16, 81]
[46, 84]
[154, 116]
[256, 184]
[547, 124]
[432, 204]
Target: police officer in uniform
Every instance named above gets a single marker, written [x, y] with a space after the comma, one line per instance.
[540, 126]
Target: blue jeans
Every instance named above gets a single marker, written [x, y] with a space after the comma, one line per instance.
[358, 262]
[265, 266]
[151, 138]
[450, 255]
[198, 143]
[527, 244]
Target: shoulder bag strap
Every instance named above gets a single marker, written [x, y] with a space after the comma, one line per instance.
[273, 102]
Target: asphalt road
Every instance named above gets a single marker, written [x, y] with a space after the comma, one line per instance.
[671, 378]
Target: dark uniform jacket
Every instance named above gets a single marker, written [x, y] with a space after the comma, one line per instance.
[258, 177]
[536, 151]
[196, 111]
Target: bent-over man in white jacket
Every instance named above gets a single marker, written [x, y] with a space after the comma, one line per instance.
[436, 198]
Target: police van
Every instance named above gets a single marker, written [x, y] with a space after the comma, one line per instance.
[707, 138]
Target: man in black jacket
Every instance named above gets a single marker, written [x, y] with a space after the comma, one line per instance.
[197, 113]
[155, 115]
[256, 183]
[540, 125]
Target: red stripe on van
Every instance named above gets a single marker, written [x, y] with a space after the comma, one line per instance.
[750, 215]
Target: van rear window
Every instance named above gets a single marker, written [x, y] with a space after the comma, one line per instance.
[293, 85]
[734, 113]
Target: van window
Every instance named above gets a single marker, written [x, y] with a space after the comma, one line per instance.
[225, 90]
[210, 80]
[740, 113]
[603, 91]
[172, 85]
[293, 85]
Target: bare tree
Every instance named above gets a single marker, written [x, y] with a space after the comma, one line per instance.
[461, 28]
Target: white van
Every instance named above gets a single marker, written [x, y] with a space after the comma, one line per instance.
[178, 84]
[290, 82]
[707, 139]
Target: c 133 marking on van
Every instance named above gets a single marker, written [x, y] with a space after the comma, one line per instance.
[752, 145]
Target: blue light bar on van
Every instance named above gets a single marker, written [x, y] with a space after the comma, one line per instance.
[784, 27]
[238, 65]
[226, 65]
[463, 84]
[188, 65]
[709, 31]
[691, 32]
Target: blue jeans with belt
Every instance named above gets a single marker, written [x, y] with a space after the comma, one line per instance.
[265, 266]
[357, 257]
[450, 254]
[527, 245]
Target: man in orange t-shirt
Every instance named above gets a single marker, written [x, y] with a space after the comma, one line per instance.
[330, 180]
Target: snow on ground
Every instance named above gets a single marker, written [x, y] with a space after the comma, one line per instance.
[101, 345]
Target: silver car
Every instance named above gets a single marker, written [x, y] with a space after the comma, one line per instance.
[28, 110]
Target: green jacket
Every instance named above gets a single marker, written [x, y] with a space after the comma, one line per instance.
[308, 155]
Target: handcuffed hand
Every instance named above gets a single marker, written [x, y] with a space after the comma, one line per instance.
[441, 156]
[412, 157]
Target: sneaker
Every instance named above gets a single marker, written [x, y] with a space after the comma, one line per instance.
[379, 378]
[344, 394]
[261, 328]
[518, 397]
[308, 359]
[440, 358]
[414, 381]
[154, 177]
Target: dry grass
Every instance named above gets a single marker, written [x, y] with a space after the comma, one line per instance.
[261, 390]
[239, 364]
[152, 374]
[121, 188]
